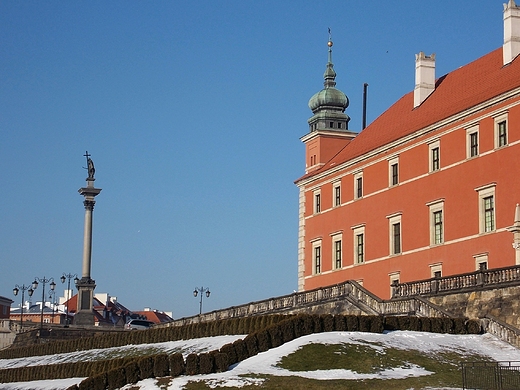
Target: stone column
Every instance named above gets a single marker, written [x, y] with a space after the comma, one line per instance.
[86, 286]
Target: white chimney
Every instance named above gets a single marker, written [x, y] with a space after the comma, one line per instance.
[511, 47]
[424, 78]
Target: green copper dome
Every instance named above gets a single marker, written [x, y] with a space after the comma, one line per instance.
[328, 105]
[329, 98]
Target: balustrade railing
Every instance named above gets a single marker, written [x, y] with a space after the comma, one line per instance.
[348, 291]
[468, 281]
[502, 330]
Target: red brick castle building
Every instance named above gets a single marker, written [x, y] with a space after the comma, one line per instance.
[428, 189]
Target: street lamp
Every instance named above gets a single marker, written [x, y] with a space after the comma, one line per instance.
[63, 278]
[24, 288]
[34, 286]
[201, 290]
[52, 297]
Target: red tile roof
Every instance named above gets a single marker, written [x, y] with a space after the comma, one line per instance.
[154, 316]
[454, 92]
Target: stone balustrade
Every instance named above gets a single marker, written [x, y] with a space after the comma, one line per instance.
[507, 276]
[502, 330]
[349, 291]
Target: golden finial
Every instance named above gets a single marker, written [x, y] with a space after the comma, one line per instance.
[330, 43]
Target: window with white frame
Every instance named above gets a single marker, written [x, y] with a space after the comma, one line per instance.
[316, 257]
[395, 278]
[436, 221]
[486, 208]
[394, 223]
[481, 261]
[472, 141]
[393, 171]
[359, 244]
[337, 251]
[436, 270]
[336, 193]
[435, 156]
[317, 201]
[358, 185]
[501, 130]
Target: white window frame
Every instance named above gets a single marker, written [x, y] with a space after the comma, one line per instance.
[431, 147]
[359, 230]
[503, 117]
[437, 267]
[483, 193]
[317, 244]
[357, 176]
[391, 162]
[481, 258]
[469, 131]
[337, 237]
[434, 207]
[336, 186]
[316, 197]
[393, 277]
[394, 219]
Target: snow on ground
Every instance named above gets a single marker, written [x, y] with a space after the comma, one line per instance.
[265, 363]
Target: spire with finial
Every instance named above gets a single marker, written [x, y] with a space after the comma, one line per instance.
[329, 104]
[330, 74]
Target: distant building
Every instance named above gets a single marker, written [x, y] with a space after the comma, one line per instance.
[155, 316]
[428, 189]
[6, 334]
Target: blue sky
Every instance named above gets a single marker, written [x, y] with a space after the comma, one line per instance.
[192, 112]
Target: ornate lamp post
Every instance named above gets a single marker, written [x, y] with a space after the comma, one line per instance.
[201, 290]
[52, 297]
[35, 286]
[76, 280]
[24, 288]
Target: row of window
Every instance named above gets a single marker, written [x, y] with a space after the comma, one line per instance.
[486, 196]
[434, 162]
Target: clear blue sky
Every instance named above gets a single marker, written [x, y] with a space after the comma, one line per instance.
[192, 112]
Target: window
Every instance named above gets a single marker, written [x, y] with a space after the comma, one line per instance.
[358, 187]
[331, 125]
[435, 156]
[436, 270]
[437, 225]
[395, 233]
[500, 130]
[360, 248]
[394, 281]
[393, 171]
[502, 134]
[472, 141]
[487, 217]
[317, 202]
[481, 261]
[359, 244]
[396, 238]
[436, 221]
[337, 194]
[489, 214]
[337, 254]
[316, 257]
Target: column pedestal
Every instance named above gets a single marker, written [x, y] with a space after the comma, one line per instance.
[84, 315]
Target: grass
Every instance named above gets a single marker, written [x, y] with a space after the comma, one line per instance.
[366, 358]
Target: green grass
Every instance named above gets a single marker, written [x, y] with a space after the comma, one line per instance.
[368, 358]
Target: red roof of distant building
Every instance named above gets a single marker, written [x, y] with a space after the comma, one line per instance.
[154, 316]
[454, 92]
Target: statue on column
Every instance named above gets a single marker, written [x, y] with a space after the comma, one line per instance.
[90, 166]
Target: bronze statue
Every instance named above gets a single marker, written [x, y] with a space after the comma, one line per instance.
[90, 166]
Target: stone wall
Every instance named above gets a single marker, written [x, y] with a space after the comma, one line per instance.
[502, 303]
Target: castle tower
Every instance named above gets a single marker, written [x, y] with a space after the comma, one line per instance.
[86, 285]
[328, 127]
